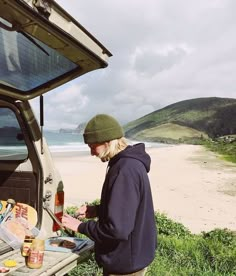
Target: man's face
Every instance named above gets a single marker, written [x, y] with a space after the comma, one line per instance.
[96, 149]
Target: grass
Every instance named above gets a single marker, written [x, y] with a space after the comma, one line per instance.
[226, 150]
[170, 130]
[211, 253]
[181, 253]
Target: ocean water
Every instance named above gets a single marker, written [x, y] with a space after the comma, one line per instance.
[65, 142]
[58, 143]
[68, 142]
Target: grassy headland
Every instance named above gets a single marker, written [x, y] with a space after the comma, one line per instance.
[203, 121]
[195, 119]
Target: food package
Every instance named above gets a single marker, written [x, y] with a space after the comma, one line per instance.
[13, 232]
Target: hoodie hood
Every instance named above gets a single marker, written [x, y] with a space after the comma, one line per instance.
[136, 151]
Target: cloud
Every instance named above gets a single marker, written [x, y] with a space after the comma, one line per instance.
[63, 107]
[163, 51]
[153, 60]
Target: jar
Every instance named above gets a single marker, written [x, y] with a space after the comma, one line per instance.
[26, 245]
[36, 253]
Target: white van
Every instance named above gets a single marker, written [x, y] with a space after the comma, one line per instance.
[41, 48]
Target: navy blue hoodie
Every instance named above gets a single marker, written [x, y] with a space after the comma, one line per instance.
[125, 234]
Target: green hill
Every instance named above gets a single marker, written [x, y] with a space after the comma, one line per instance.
[186, 121]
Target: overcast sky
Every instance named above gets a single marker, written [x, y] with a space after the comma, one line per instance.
[164, 51]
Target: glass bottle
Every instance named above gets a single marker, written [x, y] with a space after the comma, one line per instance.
[26, 245]
[36, 254]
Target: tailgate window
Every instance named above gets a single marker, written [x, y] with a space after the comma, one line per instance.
[27, 63]
[12, 144]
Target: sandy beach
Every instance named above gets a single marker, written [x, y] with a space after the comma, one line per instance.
[189, 184]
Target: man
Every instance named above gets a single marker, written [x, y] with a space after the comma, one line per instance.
[125, 234]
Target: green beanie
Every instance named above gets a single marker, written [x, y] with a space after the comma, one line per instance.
[102, 128]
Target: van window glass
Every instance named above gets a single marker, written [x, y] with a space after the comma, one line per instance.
[27, 63]
[12, 144]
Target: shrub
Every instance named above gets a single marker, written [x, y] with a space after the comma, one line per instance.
[224, 236]
[169, 227]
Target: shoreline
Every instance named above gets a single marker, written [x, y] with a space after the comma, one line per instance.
[190, 184]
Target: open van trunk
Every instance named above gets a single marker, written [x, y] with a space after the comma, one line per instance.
[41, 48]
[21, 170]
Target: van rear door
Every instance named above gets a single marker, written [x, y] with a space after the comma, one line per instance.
[38, 54]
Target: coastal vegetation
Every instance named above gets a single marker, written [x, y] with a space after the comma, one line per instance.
[191, 121]
[201, 121]
[182, 253]
[226, 149]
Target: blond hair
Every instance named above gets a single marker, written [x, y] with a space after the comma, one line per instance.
[113, 147]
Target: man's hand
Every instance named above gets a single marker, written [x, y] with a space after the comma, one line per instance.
[70, 222]
[86, 211]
